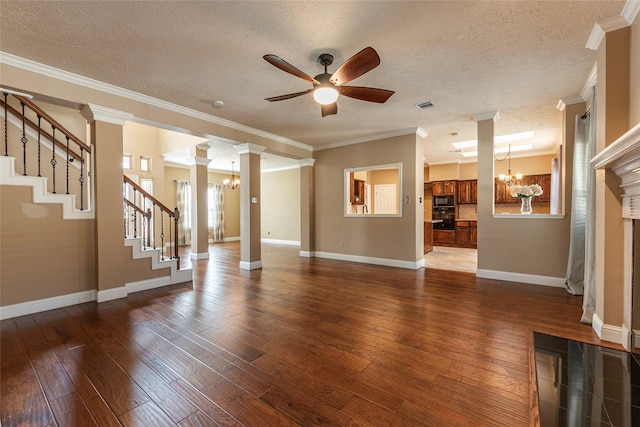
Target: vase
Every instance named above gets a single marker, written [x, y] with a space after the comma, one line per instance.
[525, 209]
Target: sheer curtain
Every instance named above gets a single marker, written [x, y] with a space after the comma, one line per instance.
[216, 211]
[579, 278]
[183, 202]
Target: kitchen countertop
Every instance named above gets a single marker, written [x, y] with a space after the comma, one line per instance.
[433, 221]
[462, 219]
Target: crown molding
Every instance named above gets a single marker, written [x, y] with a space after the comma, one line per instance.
[631, 10]
[382, 135]
[626, 18]
[563, 102]
[247, 148]
[489, 115]
[28, 65]
[587, 90]
[92, 112]
[306, 162]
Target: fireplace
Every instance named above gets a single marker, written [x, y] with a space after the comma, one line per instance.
[623, 158]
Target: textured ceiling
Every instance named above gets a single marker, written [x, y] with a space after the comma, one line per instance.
[468, 57]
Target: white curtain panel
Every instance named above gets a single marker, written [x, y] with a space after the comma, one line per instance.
[216, 212]
[183, 200]
[579, 277]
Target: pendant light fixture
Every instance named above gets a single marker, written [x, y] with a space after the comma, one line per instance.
[232, 183]
[509, 179]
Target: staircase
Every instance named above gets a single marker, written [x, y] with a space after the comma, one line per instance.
[40, 153]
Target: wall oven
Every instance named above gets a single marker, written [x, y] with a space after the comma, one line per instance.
[443, 201]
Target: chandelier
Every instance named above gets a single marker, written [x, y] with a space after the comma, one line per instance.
[509, 179]
[232, 183]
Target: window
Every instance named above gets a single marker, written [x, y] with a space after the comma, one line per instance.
[147, 185]
[373, 190]
[145, 164]
[127, 161]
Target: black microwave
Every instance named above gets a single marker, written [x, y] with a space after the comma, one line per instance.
[443, 201]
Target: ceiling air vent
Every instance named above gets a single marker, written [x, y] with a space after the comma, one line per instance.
[425, 105]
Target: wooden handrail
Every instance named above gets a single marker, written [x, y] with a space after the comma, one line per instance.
[34, 126]
[52, 121]
[133, 205]
[149, 196]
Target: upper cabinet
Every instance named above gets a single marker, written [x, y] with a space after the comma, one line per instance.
[502, 194]
[444, 188]
[356, 193]
[468, 191]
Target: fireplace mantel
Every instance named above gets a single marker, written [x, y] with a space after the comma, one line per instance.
[623, 158]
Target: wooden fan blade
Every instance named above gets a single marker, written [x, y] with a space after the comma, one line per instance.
[365, 60]
[288, 96]
[285, 66]
[370, 94]
[329, 109]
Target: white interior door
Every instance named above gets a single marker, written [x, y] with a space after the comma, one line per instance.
[385, 199]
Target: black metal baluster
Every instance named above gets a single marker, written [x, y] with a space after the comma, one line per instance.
[162, 235]
[39, 132]
[24, 144]
[6, 140]
[145, 222]
[176, 218]
[53, 157]
[153, 223]
[81, 179]
[68, 165]
[125, 213]
[135, 216]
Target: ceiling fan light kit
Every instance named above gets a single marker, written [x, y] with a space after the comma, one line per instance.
[328, 87]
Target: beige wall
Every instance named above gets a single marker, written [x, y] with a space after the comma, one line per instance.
[280, 195]
[140, 140]
[41, 255]
[389, 238]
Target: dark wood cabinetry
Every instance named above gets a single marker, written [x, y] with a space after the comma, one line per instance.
[502, 194]
[444, 237]
[443, 188]
[468, 191]
[356, 196]
[428, 237]
[467, 234]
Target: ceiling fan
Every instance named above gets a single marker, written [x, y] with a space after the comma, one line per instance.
[327, 87]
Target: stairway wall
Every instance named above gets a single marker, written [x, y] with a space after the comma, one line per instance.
[41, 255]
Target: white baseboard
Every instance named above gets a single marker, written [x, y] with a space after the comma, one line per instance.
[281, 242]
[413, 265]
[30, 307]
[232, 239]
[203, 255]
[556, 282]
[254, 265]
[307, 254]
[145, 285]
[610, 333]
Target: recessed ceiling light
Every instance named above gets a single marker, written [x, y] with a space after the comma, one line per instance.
[502, 139]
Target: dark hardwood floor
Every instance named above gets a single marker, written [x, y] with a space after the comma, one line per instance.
[300, 342]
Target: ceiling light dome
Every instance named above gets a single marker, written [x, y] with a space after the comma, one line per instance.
[325, 95]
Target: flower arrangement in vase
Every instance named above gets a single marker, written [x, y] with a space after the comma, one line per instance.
[526, 193]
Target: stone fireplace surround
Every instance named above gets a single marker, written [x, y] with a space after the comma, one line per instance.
[623, 158]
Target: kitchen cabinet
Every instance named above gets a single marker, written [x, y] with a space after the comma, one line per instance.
[428, 237]
[444, 188]
[444, 237]
[503, 195]
[466, 234]
[468, 191]
[356, 196]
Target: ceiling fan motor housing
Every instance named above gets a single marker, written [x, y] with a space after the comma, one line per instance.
[325, 60]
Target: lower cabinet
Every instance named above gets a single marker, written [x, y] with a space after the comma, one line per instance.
[444, 237]
[467, 234]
